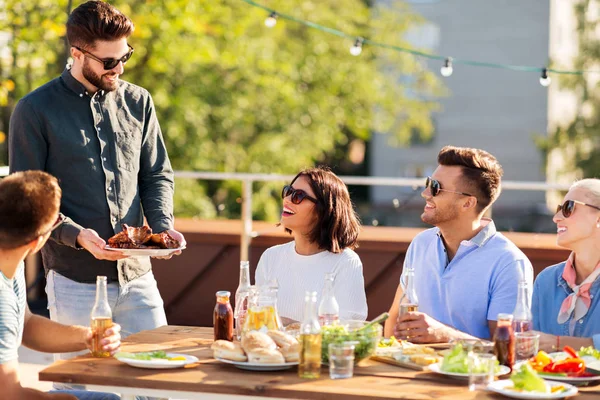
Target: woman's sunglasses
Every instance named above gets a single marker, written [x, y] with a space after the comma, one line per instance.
[435, 187]
[568, 207]
[297, 195]
[109, 63]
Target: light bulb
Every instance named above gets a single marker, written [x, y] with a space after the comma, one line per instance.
[545, 80]
[356, 48]
[271, 20]
[446, 69]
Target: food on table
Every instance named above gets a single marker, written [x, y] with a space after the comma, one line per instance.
[258, 347]
[391, 342]
[366, 337]
[457, 360]
[257, 340]
[153, 355]
[528, 380]
[589, 351]
[423, 359]
[228, 350]
[572, 366]
[265, 356]
[142, 238]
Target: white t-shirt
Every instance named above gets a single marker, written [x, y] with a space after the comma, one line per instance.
[297, 274]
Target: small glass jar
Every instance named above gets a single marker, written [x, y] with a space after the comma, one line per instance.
[223, 317]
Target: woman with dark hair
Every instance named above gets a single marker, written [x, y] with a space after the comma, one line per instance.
[566, 296]
[318, 213]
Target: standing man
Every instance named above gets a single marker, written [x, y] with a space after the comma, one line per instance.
[466, 272]
[29, 204]
[100, 137]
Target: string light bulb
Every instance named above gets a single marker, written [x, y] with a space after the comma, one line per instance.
[271, 20]
[545, 80]
[356, 48]
[447, 69]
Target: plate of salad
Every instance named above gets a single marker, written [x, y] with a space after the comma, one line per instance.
[155, 359]
[456, 364]
[566, 366]
[525, 383]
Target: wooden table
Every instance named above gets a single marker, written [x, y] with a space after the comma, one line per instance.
[211, 379]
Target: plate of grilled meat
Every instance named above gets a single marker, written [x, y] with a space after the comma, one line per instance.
[140, 241]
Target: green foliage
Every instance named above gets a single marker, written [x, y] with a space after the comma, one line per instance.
[235, 96]
[579, 140]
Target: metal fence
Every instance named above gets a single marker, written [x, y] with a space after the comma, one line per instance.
[247, 180]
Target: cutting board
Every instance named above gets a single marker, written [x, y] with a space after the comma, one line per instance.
[404, 364]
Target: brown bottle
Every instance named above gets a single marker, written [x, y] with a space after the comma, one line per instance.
[223, 317]
[504, 341]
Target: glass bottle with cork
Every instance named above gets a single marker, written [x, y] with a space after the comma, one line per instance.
[504, 340]
[241, 299]
[409, 301]
[101, 317]
[223, 317]
[310, 339]
[329, 309]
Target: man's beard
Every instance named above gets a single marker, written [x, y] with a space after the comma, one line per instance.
[96, 79]
[438, 217]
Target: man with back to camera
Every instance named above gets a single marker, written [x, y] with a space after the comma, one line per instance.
[466, 272]
[29, 204]
[100, 137]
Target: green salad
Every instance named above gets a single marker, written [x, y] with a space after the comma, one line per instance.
[366, 339]
[589, 351]
[143, 356]
[457, 360]
[528, 380]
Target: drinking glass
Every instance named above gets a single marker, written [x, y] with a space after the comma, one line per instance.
[341, 360]
[482, 368]
[526, 345]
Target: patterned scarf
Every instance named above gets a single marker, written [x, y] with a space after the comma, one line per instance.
[577, 303]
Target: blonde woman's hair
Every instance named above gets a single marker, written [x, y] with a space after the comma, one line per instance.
[592, 189]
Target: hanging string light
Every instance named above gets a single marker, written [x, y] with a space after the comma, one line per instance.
[271, 20]
[446, 69]
[356, 48]
[545, 80]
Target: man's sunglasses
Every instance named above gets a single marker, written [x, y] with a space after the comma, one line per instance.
[297, 195]
[568, 207]
[59, 220]
[109, 63]
[435, 187]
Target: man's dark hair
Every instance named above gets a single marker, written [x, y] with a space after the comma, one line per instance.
[97, 20]
[481, 171]
[337, 225]
[29, 204]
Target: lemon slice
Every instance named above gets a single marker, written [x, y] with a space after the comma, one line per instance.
[178, 358]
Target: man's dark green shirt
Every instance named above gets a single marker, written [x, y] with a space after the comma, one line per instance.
[108, 153]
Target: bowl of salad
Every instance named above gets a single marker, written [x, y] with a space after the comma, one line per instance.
[365, 335]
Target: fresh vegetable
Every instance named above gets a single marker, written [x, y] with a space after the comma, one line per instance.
[149, 356]
[391, 342]
[589, 351]
[456, 360]
[570, 351]
[527, 379]
[569, 366]
[366, 340]
[540, 360]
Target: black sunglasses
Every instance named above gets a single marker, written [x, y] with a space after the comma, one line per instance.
[435, 187]
[568, 207]
[297, 195]
[59, 220]
[109, 63]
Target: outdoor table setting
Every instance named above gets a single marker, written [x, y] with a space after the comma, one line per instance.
[201, 376]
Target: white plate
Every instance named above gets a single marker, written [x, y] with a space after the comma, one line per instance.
[258, 366]
[573, 380]
[158, 363]
[437, 368]
[501, 388]
[144, 252]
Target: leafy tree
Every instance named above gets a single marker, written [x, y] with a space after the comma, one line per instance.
[579, 140]
[235, 96]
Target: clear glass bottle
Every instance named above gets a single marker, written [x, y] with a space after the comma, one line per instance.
[409, 300]
[310, 339]
[329, 309]
[241, 299]
[223, 317]
[101, 317]
[504, 340]
[522, 316]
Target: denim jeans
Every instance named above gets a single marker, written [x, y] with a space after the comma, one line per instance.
[136, 306]
[85, 395]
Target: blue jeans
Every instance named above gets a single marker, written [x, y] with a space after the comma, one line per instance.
[85, 395]
[136, 306]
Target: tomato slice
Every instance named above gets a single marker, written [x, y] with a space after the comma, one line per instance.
[570, 351]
